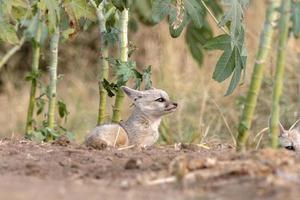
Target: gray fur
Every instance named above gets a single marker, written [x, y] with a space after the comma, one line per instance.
[290, 138]
[141, 128]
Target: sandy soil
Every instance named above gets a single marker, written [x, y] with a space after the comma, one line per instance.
[63, 170]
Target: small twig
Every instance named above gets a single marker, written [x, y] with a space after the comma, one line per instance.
[170, 179]
[261, 136]
[205, 134]
[225, 121]
[127, 147]
[11, 52]
[117, 137]
[214, 18]
[260, 132]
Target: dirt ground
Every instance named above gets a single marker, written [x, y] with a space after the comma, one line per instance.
[63, 170]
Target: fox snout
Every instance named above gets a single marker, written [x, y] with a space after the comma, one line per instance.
[171, 106]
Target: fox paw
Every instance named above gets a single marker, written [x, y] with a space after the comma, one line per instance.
[146, 147]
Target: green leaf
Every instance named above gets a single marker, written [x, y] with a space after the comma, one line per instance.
[160, 9]
[143, 9]
[111, 36]
[121, 4]
[225, 65]
[32, 28]
[62, 109]
[176, 31]
[232, 61]
[195, 11]
[220, 42]
[196, 38]
[147, 77]
[111, 88]
[77, 9]
[8, 33]
[33, 75]
[234, 16]
[236, 77]
[37, 136]
[66, 33]
[125, 71]
[215, 7]
[40, 103]
[52, 11]
[296, 18]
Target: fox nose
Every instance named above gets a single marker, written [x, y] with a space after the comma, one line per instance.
[175, 104]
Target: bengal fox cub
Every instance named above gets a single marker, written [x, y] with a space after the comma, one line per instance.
[141, 128]
[290, 139]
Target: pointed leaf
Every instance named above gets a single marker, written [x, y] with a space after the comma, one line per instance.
[220, 42]
[195, 11]
[160, 9]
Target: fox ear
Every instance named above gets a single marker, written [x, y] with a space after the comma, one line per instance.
[296, 125]
[131, 93]
[281, 128]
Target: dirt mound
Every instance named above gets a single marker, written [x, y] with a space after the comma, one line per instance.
[64, 170]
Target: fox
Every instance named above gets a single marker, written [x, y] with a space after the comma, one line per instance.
[141, 128]
[290, 139]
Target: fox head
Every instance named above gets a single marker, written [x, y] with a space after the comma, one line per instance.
[290, 139]
[153, 102]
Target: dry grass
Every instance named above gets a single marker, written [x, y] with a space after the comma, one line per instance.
[204, 114]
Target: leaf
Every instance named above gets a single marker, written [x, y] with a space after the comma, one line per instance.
[215, 7]
[52, 11]
[234, 16]
[147, 77]
[8, 33]
[67, 33]
[40, 103]
[232, 61]
[160, 9]
[111, 36]
[37, 136]
[225, 65]
[235, 78]
[121, 4]
[176, 31]
[125, 71]
[143, 10]
[33, 75]
[62, 110]
[296, 18]
[220, 42]
[195, 11]
[32, 28]
[196, 38]
[77, 9]
[111, 88]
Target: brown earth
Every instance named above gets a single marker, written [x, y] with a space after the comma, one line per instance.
[63, 170]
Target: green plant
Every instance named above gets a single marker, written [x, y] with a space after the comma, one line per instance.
[285, 15]
[257, 75]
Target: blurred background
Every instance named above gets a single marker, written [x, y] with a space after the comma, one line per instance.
[204, 113]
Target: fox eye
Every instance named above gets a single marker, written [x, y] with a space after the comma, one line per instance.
[160, 100]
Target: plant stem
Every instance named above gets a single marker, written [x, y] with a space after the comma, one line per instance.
[279, 73]
[53, 78]
[104, 66]
[257, 75]
[214, 18]
[11, 52]
[124, 58]
[34, 70]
